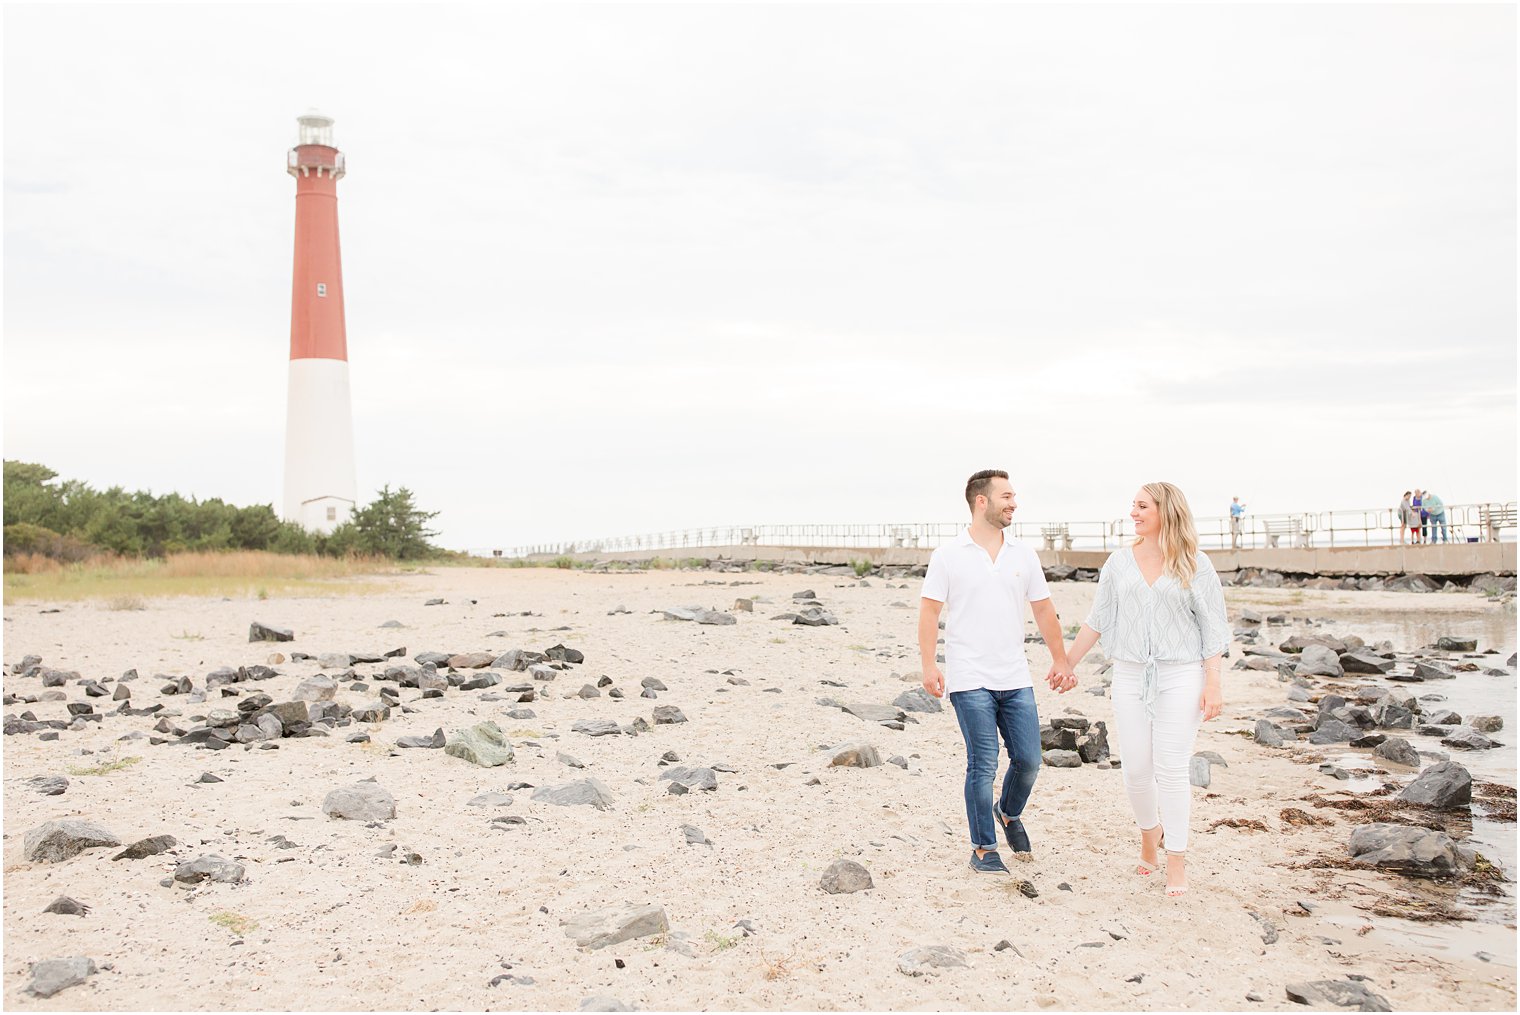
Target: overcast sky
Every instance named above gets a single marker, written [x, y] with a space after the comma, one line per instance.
[617, 270]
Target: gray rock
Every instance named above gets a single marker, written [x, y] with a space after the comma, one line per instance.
[52, 975]
[263, 632]
[1447, 643]
[471, 660]
[667, 715]
[1365, 660]
[56, 841]
[1398, 751]
[855, 756]
[610, 926]
[363, 801]
[1468, 740]
[489, 800]
[596, 727]
[715, 617]
[1317, 660]
[875, 713]
[815, 616]
[49, 785]
[1268, 733]
[317, 688]
[1326, 994]
[208, 868]
[65, 906]
[931, 959]
[435, 742]
[1486, 723]
[1302, 642]
[1428, 669]
[694, 836]
[844, 877]
[373, 711]
[1199, 771]
[918, 700]
[1419, 852]
[1333, 731]
[1063, 759]
[601, 1002]
[1092, 746]
[690, 778]
[653, 684]
[1268, 928]
[586, 792]
[1445, 786]
[483, 744]
[144, 848]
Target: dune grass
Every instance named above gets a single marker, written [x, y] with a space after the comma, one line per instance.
[125, 583]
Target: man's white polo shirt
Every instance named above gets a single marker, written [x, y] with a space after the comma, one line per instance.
[984, 611]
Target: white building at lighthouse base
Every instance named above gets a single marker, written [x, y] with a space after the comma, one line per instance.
[320, 488]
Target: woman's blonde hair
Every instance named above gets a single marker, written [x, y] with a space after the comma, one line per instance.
[1179, 538]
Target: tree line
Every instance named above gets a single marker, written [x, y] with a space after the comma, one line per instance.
[72, 521]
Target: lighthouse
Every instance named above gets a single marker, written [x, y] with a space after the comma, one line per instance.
[319, 427]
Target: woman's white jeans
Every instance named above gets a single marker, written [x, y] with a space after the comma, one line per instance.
[1156, 752]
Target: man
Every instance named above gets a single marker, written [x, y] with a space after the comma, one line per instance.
[1435, 509]
[1237, 513]
[985, 580]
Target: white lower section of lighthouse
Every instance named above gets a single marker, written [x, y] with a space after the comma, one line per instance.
[319, 445]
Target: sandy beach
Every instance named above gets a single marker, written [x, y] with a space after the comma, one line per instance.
[327, 917]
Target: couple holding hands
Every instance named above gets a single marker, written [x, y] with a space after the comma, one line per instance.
[1160, 612]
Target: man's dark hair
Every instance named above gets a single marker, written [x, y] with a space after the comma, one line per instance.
[977, 485]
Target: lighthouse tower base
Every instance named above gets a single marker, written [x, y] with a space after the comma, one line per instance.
[320, 488]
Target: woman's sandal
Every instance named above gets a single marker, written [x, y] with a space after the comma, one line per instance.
[1173, 891]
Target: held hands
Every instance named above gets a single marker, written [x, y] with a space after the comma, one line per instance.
[1061, 677]
[934, 681]
[1212, 702]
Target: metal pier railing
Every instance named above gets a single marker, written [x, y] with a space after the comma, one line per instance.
[1465, 523]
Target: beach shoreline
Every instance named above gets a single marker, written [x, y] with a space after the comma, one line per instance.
[329, 924]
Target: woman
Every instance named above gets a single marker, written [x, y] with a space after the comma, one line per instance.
[1409, 520]
[1419, 518]
[1160, 613]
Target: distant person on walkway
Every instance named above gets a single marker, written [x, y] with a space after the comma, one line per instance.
[1237, 516]
[1409, 520]
[1160, 612]
[982, 581]
[1421, 516]
[1435, 511]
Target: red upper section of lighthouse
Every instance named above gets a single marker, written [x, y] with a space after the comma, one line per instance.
[317, 330]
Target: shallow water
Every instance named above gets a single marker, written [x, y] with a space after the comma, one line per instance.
[1469, 694]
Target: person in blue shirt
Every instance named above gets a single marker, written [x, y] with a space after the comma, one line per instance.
[1434, 509]
[1237, 516]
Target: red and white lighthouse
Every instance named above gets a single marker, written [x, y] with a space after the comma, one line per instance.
[319, 426]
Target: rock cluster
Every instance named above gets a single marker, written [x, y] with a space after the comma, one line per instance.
[1072, 741]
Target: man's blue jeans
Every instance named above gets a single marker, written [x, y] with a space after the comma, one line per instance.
[983, 715]
[1439, 520]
